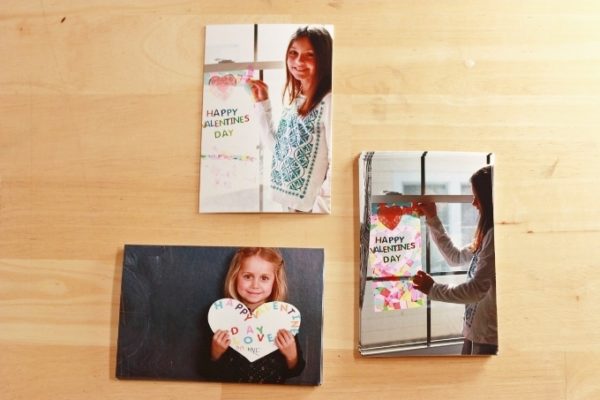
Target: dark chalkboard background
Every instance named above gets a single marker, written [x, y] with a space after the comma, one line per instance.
[165, 296]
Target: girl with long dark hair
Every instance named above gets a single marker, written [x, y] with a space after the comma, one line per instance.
[301, 165]
[478, 293]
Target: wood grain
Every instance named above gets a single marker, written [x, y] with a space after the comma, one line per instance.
[100, 141]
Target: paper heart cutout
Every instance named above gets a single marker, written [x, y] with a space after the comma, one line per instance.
[390, 216]
[253, 334]
[222, 85]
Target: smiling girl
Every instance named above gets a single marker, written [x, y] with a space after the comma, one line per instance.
[301, 165]
[256, 275]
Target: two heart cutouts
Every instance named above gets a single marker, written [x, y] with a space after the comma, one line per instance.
[253, 334]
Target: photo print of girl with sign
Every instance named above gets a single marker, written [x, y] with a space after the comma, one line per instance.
[172, 305]
[478, 293]
[301, 165]
[255, 288]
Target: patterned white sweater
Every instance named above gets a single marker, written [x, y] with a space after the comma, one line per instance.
[301, 166]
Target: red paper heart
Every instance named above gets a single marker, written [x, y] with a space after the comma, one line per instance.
[390, 216]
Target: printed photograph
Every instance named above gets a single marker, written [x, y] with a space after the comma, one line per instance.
[223, 314]
[427, 259]
[266, 119]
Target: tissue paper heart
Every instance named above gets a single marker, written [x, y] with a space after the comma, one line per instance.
[389, 216]
[222, 86]
[253, 333]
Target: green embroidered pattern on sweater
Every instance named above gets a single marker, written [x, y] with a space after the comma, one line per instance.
[297, 143]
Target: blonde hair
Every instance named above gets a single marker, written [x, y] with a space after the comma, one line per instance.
[271, 255]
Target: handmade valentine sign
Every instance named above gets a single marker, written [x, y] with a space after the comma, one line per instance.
[253, 333]
[230, 159]
[394, 240]
[395, 251]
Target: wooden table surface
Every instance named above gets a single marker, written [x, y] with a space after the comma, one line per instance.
[100, 145]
